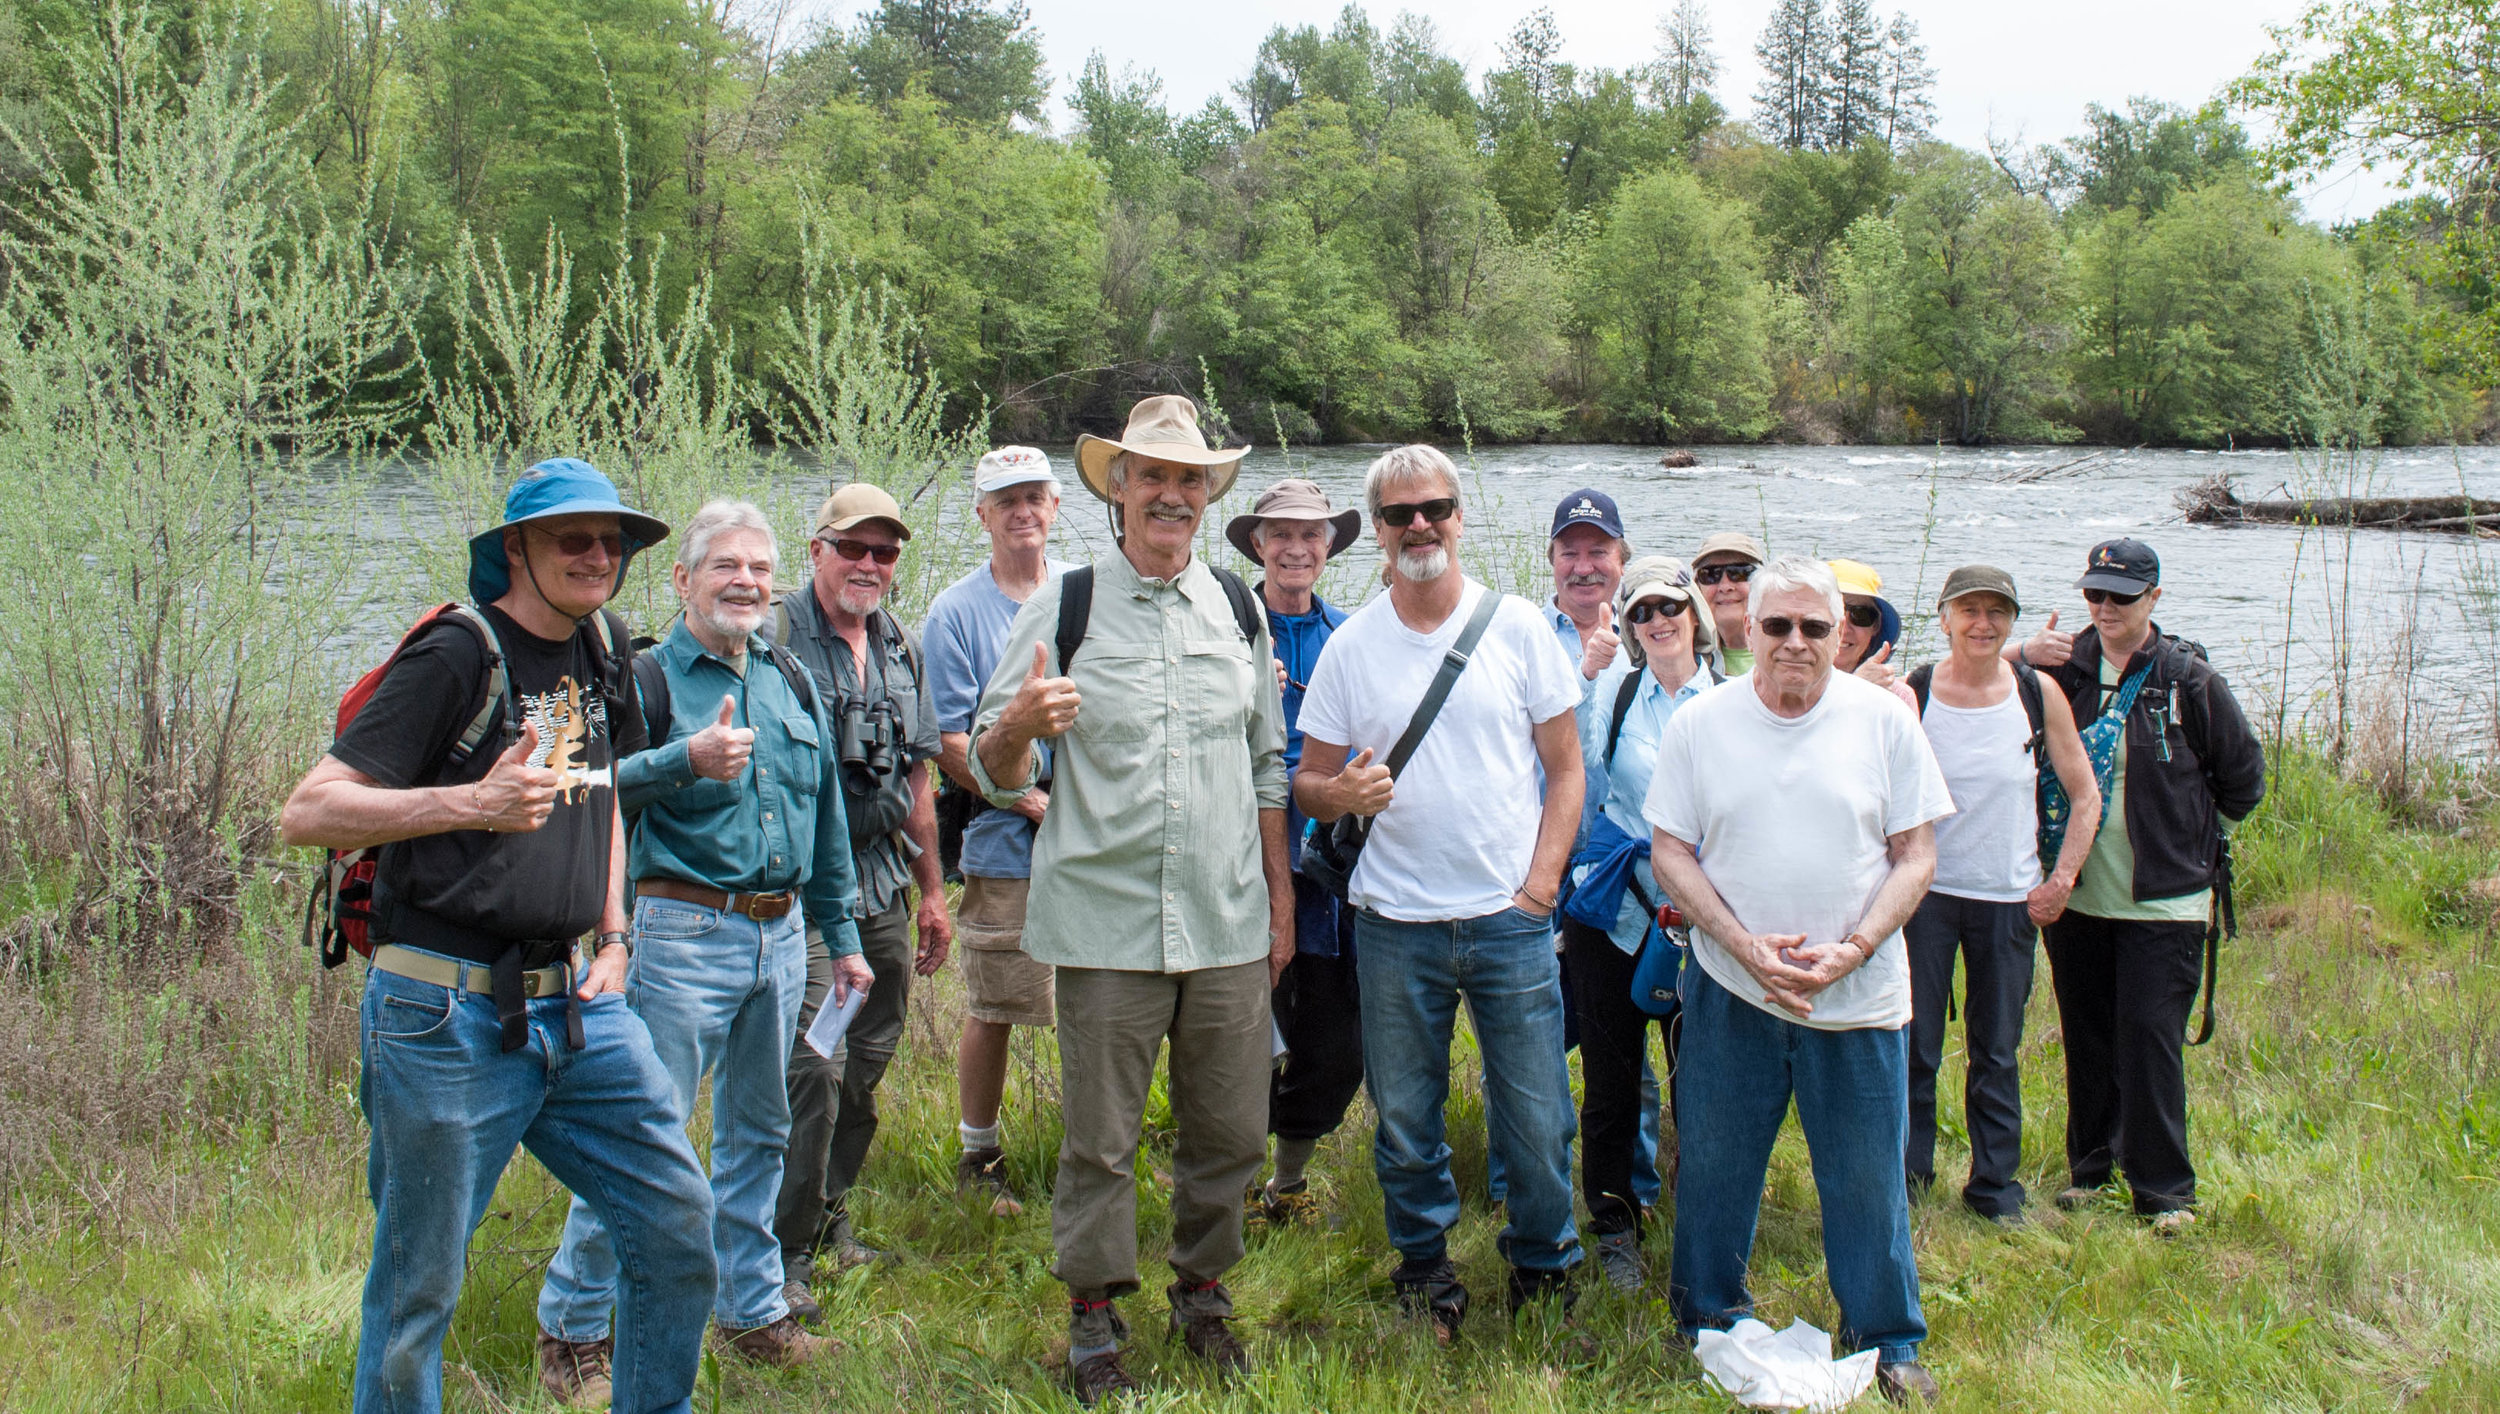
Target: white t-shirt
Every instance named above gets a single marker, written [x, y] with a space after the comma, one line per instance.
[1791, 817]
[1457, 837]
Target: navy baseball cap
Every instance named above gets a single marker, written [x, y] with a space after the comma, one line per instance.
[1587, 506]
[2124, 566]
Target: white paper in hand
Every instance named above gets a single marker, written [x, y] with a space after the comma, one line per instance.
[1792, 1369]
[824, 1034]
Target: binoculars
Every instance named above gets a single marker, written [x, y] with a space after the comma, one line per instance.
[867, 736]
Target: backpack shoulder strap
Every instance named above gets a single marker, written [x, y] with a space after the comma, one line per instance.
[1246, 612]
[1921, 677]
[498, 683]
[780, 635]
[1623, 708]
[651, 688]
[802, 682]
[2027, 687]
[1076, 610]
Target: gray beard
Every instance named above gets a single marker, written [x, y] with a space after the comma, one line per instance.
[1424, 565]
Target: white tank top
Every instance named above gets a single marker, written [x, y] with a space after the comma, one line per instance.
[1988, 848]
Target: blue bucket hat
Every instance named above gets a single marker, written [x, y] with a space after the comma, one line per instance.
[558, 486]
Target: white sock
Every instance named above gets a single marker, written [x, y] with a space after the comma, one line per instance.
[977, 1140]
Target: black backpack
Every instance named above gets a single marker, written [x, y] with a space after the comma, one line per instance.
[1076, 609]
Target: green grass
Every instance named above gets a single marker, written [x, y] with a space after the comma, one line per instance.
[2343, 1120]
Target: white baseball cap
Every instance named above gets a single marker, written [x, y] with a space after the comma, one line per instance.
[1002, 467]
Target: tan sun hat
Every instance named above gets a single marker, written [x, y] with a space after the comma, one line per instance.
[1166, 429]
[1662, 577]
[1293, 499]
[857, 502]
[1731, 542]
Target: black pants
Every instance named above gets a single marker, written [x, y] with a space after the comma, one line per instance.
[833, 1103]
[1994, 942]
[1614, 1036]
[2124, 990]
[1319, 1007]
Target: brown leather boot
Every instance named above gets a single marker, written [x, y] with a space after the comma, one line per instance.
[576, 1372]
[784, 1345]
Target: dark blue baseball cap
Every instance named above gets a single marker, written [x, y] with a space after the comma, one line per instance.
[2123, 566]
[1587, 506]
[558, 486]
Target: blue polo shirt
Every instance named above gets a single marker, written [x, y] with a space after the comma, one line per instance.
[779, 826]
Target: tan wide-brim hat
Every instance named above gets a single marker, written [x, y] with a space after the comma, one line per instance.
[1293, 499]
[1166, 429]
[1662, 577]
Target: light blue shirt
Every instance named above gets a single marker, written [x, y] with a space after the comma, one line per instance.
[1627, 778]
[967, 626]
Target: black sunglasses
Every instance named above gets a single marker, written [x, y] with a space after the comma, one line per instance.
[1403, 513]
[1733, 574]
[1865, 615]
[1648, 609]
[1779, 626]
[574, 544]
[2107, 596]
[862, 550]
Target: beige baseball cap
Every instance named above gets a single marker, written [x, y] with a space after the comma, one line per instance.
[1731, 542]
[850, 505]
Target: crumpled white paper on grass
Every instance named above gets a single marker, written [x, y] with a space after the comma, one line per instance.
[1790, 1369]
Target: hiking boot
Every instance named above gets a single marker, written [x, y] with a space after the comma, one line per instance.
[801, 1301]
[843, 1243]
[783, 1345]
[1906, 1382]
[2077, 1198]
[1529, 1285]
[1100, 1377]
[985, 1171]
[2173, 1222]
[1431, 1290]
[1202, 1315]
[576, 1372]
[1619, 1257]
[1288, 1207]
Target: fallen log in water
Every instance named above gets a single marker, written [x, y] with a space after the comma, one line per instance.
[2213, 502]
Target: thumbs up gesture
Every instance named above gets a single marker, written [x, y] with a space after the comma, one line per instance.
[1597, 651]
[2048, 648]
[1043, 706]
[516, 797]
[720, 751]
[1877, 668]
[1363, 788]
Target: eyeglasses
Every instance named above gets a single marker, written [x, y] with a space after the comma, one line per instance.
[1648, 609]
[863, 550]
[573, 544]
[1736, 573]
[2104, 596]
[1779, 626]
[1865, 615]
[1403, 513]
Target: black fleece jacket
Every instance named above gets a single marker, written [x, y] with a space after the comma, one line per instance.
[2215, 764]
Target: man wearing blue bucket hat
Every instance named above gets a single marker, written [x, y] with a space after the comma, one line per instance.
[480, 760]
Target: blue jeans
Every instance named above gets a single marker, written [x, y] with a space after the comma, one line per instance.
[447, 1105]
[721, 993]
[1412, 976]
[1738, 1067]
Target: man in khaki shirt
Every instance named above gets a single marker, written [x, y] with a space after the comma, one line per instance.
[1161, 893]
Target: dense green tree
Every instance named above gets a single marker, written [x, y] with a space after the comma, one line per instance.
[2147, 154]
[983, 63]
[1675, 297]
[1984, 292]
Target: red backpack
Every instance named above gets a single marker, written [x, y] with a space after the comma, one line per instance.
[339, 915]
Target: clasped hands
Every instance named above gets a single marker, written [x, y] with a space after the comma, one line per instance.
[1793, 972]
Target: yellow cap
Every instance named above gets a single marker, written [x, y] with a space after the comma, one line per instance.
[1856, 578]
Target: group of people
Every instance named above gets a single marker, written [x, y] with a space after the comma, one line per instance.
[1278, 840]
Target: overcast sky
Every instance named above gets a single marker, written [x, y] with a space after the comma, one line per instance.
[2022, 70]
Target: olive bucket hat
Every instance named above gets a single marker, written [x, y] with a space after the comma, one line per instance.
[1293, 499]
[558, 486]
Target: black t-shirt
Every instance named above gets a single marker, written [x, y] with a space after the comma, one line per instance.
[547, 884]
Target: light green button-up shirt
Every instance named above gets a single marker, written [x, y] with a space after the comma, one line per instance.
[1148, 859]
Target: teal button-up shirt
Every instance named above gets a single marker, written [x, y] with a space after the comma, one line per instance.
[778, 826]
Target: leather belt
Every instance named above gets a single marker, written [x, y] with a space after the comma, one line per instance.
[760, 907]
[440, 971]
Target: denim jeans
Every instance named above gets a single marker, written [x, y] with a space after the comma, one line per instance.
[1413, 976]
[1737, 1069]
[447, 1105]
[721, 993]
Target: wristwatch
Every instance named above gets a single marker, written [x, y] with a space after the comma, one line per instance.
[1865, 949]
[599, 944]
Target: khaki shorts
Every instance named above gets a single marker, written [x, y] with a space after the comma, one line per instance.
[1005, 987]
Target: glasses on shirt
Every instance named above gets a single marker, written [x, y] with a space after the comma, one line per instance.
[573, 544]
[1403, 513]
[1779, 626]
[2108, 596]
[1865, 615]
[1734, 574]
[863, 550]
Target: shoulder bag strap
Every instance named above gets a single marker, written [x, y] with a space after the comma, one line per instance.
[1452, 664]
